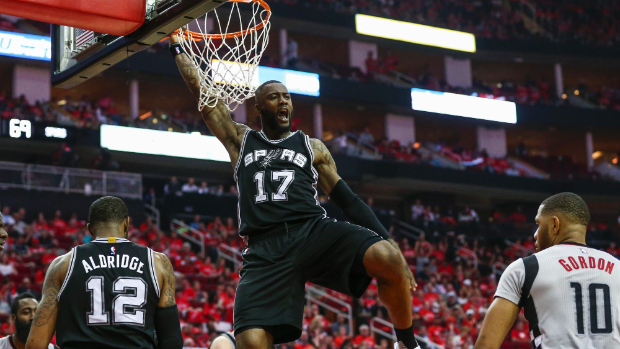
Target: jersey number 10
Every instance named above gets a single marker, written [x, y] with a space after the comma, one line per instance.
[131, 296]
[593, 291]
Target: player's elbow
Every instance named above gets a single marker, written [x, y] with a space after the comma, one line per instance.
[35, 343]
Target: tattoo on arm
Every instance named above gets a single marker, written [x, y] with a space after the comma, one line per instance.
[323, 154]
[49, 303]
[170, 279]
[189, 73]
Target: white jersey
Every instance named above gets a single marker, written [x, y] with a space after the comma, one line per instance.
[570, 294]
[6, 343]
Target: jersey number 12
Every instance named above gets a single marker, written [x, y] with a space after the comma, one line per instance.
[131, 296]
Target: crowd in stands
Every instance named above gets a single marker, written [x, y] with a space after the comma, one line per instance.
[431, 154]
[587, 22]
[91, 113]
[457, 260]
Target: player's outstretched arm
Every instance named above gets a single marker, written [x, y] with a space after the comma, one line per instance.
[167, 322]
[217, 118]
[44, 322]
[497, 322]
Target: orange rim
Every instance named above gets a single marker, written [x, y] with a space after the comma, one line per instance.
[199, 36]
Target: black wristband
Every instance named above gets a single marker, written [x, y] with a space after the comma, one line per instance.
[176, 49]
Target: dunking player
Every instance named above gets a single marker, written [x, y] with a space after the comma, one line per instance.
[291, 240]
[568, 290]
[108, 293]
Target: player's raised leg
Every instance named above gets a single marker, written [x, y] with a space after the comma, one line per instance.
[254, 338]
[383, 259]
[386, 264]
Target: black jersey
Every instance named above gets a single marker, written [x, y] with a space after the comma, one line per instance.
[276, 182]
[109, 297]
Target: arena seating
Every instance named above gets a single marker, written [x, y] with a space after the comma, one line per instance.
[457, 258]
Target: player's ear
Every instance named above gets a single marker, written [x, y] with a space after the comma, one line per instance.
[89, 227]
[555, 221]
[14, 318]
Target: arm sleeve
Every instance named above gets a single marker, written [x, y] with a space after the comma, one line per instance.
[511, 283]
[168, 327]
[356, 210]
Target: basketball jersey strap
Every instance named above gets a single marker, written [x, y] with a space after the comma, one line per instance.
[531, 271]
[527, 302]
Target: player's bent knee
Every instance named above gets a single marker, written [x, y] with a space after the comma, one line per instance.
[255, 338]
[383, 262]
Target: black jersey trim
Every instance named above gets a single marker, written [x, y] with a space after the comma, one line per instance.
[314, 173]
[153, 273]
[531, 271]
[527, 302]
[276, 140]
[239, 159]
[69, 272]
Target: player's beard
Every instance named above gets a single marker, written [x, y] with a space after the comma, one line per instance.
[22, 330]
[270, 120]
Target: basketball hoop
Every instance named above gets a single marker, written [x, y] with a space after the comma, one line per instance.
[226, 61]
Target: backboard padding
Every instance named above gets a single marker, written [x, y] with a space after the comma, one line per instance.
[108, 50]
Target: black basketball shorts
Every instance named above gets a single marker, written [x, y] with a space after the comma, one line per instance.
[277, 265]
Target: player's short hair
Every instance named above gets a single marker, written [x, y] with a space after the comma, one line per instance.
[15, 304]
[108, 209]
[570, 205]
[259, 89]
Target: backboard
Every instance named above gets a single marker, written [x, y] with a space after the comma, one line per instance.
[78, 55]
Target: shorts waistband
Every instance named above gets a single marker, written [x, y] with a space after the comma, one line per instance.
[281, 229]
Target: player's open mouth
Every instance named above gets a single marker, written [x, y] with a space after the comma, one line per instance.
[283, 115]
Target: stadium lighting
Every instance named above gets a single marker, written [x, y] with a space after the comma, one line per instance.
[297, 82]
[465, 106]
[25, 46]
[145, 141]
[415, 33]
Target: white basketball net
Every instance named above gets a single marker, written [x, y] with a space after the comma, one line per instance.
[226, 63]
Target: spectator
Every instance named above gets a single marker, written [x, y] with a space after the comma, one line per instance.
[190, 186]
[341, 321]
[342, 143]
[372, 65]
[20, 225]
[20, 246]
[6, 266]
[173, 187]
[364, 337]
[518, 217]
[468, 215]
[7, 217]
[366, 138]
[196, 223]
[204, 188]
[27, 287]
[417, 210]
[391, 61]
[291, 53]
[519, 334]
